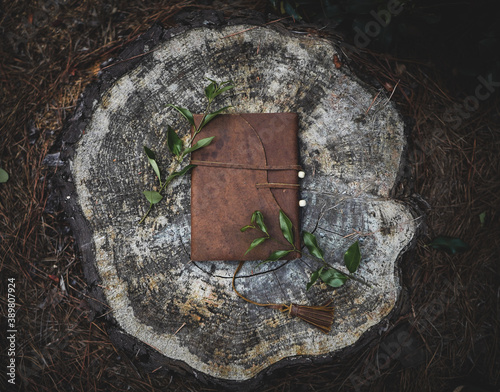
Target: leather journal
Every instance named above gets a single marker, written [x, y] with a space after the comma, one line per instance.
[251, 164]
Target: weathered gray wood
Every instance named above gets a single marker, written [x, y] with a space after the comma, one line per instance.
[187, 311]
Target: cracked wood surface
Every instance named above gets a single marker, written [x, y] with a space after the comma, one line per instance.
[186, 310]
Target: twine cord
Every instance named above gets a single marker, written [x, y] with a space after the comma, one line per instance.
[319, 316]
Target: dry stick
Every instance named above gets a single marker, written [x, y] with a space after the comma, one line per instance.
[373, 101]
[255, 27]
[178, 329]
[130, 58]
[393, 90]
[158, 368]
[318, 316]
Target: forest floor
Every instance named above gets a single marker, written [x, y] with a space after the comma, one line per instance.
[51, 50]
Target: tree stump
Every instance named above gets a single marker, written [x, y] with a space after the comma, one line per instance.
[351, 147]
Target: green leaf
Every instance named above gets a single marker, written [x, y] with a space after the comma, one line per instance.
[150, 154]
[209, 117]
[333, 277]
[352, 257]
[312, 245]
[314, 278]
[185, 112]
[222, 90]
[245, 228]
[450, 245]
[254, 216]
[286, 227]
[258, 218]
[221, 84]
[210, 90]
[256, 242]
[4, 176]
[174, 142]
[184, 170]
[200, 144]
[179, 173]
[211, 80]
[482, 217]
[276, 255]
[153, 197]
[151, 158]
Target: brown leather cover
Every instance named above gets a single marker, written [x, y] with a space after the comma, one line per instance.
[231, 181]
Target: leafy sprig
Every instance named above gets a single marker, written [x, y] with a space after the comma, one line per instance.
[257, 222]
[328, 274]
[331, 275]
[176, 146]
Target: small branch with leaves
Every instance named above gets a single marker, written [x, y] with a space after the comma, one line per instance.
[257, 222]
[318, 316]
[328, 274]
[178, 149]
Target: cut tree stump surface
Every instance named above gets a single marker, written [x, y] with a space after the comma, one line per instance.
[351, 148]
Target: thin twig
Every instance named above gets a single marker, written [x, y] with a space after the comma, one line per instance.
[178, 329]
[373, 101]
[393, 90]
[130, 58]
[255, 27]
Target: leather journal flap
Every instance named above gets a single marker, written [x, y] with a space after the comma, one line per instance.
[250, 165]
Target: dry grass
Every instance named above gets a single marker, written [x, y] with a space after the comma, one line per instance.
[48, 55]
